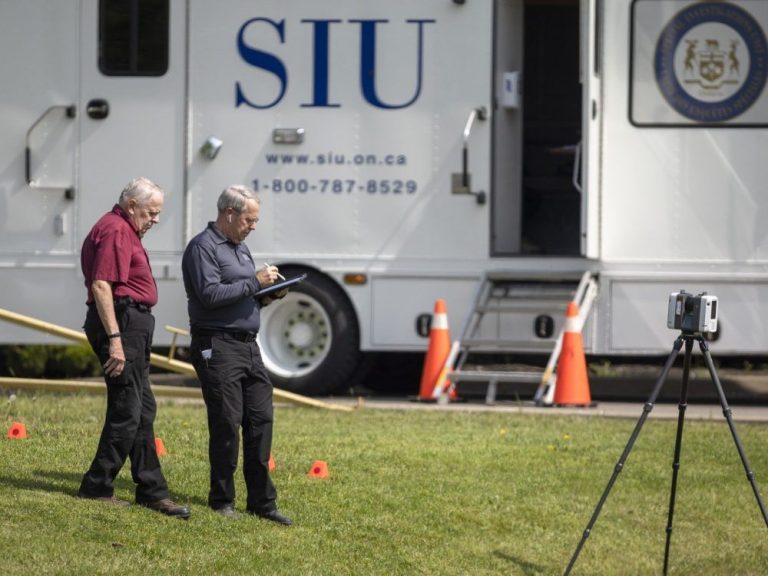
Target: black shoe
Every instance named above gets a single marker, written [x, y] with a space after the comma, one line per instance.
[168, 507]
[228, 511]
[273, 516]
[108, 499]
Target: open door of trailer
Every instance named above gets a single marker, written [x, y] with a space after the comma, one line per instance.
[544, 129]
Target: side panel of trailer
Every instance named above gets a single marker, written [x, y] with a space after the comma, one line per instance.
[402, 151]
[91, 103]
[347, 120]
[683, 203]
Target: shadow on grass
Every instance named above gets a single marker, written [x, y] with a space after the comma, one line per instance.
[41, 484]
[51, 481]
[120, 484]
[68, 483]
[526, 567]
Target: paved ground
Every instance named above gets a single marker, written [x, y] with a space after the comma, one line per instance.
[631, 410]
[621, 394]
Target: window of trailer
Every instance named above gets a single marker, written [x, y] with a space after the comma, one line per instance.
[133, 37]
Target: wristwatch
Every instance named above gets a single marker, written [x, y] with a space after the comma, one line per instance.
[113, 335]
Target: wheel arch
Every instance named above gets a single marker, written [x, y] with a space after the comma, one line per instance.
[326, 364]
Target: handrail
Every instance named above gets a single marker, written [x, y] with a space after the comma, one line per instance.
[154, 359]
[577, 168]
[584, 298]
[70, 111]
[176, 333]
[476, 114]
[465, 151]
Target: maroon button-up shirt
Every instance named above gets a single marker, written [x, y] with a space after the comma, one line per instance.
[113, 252]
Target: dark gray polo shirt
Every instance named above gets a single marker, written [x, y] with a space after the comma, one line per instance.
[220, 280]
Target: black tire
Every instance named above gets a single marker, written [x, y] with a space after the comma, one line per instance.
[310, 340]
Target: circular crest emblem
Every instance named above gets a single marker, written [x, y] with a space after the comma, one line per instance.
[711, 61]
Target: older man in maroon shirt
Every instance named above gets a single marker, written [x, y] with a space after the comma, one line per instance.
[119, 326]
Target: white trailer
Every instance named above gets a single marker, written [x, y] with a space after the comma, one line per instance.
[404, 151]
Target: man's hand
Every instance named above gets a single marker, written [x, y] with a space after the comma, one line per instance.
[267, 276]
[279, 294]
[267, 300]
[116, 362]
[102, 295]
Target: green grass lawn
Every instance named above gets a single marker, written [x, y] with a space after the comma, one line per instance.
[410, 492]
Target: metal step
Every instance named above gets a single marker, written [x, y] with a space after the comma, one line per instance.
[505, 311]
[493, 378]
[525, 306]
[539, 276]
[487, 375]
[493, 345]
[502, 318]
[543, 293]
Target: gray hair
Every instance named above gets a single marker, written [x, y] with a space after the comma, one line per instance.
[141, 189]
[235, 197]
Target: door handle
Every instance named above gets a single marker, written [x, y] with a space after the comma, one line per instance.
[460, 183]
[576, 178]
[69, 111]
[98, 109]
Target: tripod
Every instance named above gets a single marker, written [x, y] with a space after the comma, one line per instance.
[687, 338]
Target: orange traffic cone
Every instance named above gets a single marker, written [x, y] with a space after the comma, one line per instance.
[272, 464]
[160, 447]
[319, 469]
[17, 431]
[437, 351]
[572, 387]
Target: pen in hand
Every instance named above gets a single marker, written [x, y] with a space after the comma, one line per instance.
[278, 273]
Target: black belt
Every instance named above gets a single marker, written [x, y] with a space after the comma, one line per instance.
[241, 336]
[122, 302]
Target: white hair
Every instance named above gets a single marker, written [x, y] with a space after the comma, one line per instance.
[235, 197]
[141, 189]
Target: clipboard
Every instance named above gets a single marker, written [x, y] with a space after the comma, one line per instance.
[277, 286]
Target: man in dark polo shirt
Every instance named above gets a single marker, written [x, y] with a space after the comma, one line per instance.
[119, 327]
[220, 278]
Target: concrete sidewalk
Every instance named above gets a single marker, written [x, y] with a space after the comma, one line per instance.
[630, 410]
[615, 397]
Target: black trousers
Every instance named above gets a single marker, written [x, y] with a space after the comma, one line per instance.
[237, 393]
[129, 423]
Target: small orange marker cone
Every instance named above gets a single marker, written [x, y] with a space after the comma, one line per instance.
[160, 447]
[272, 464]
[437, 352]
[319, 469]
[572, 386]
[17, 431]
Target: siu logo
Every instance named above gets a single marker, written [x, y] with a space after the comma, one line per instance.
[267, 30]
[711, 62]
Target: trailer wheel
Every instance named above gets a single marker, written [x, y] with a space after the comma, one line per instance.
[310, 339]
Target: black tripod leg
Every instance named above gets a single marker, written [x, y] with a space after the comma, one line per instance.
[678, 444]
[732, 426]
[627, 449]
